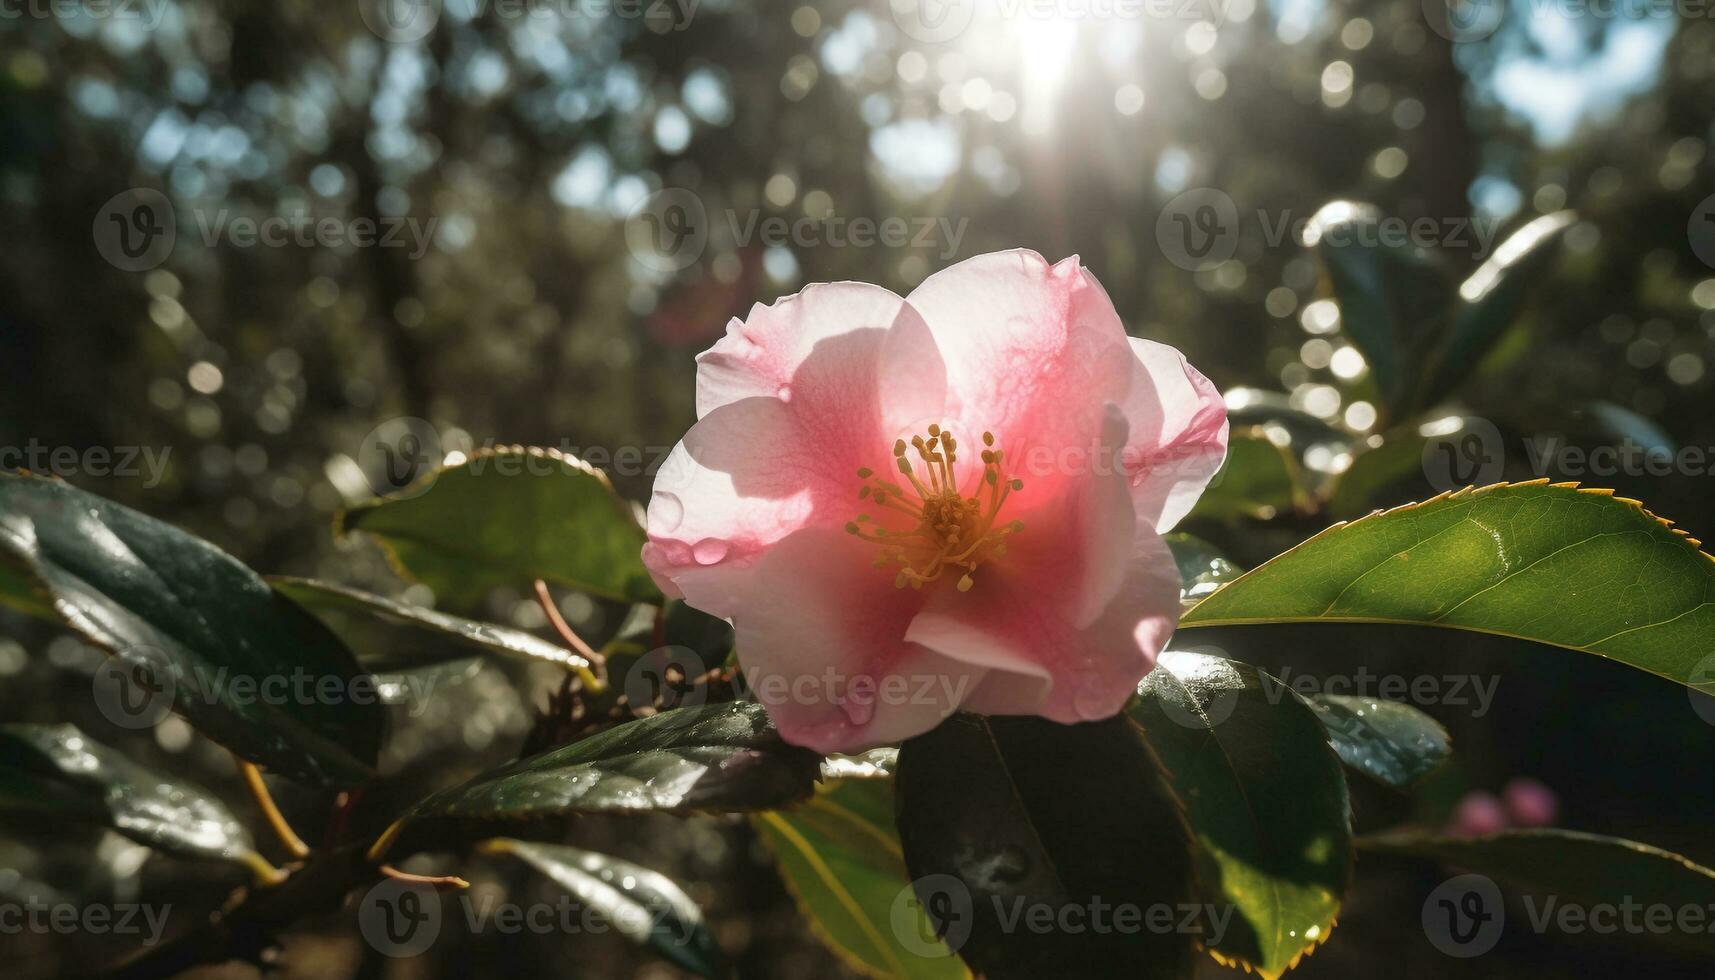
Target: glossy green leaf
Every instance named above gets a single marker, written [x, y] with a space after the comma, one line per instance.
[509, 517]
[840, 856]
[1395, 300]
[1490, 301]
[1386, 740]
[717, 757]
[1573, 867]
[1257, 480]
[1554, 564]
[1202, 566]
[434, 637]
[1265, 797]
[644, 906]
[245, 666]
[51, 775]
[1014, 827]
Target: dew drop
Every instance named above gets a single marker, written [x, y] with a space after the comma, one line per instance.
[666, 512]
[709, 551]
[784, 393]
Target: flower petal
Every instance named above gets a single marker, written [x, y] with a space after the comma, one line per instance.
[1033, 352]
[821, 636]
[1178, 433]
[1073, 615]
[792, 406]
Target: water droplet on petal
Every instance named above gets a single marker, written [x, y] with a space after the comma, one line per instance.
[784, 393]
[666, 512]
[709, 551]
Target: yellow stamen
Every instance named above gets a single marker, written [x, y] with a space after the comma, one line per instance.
[953, 528]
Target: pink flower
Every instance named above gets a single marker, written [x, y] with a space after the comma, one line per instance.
[952, 501]
[1530, 803]
[1478, 814]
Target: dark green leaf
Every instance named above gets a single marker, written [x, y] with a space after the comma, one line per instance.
[1395, 300]
[1202, 567]
[54, 774]
[1007, 822]
[206, 626]
[435, 636]
[1265, 797]
[1554, 564]
[1392, 742]
[718, 757]
[1490, 300]
[644, 906]
[840, 856]
[1573, 867]
[509, 517]
[1257, 480]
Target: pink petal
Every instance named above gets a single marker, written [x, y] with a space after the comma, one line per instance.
[1530, 803]
[1033, 353]
[821, 637]
[794, 401]
[1074, 615]
[1178, 433]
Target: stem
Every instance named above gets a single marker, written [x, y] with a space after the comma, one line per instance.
[440, 883]
[294, 844]
[569, 636]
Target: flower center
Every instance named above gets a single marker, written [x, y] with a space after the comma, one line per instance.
[954, 528]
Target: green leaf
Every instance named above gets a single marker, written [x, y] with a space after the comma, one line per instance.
[840, 857]
[1573, 867]
[644, 906]
[708, 758]
[54, 774]
[1202, 566]
[1265, 797]
[509, 517]
[245, 666]
[1490, 300]
[1009, 821]
[1395, 300]
[1386, 740]
[436, 637]
[1550, 563]
[1258, 480]
[19, 590]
